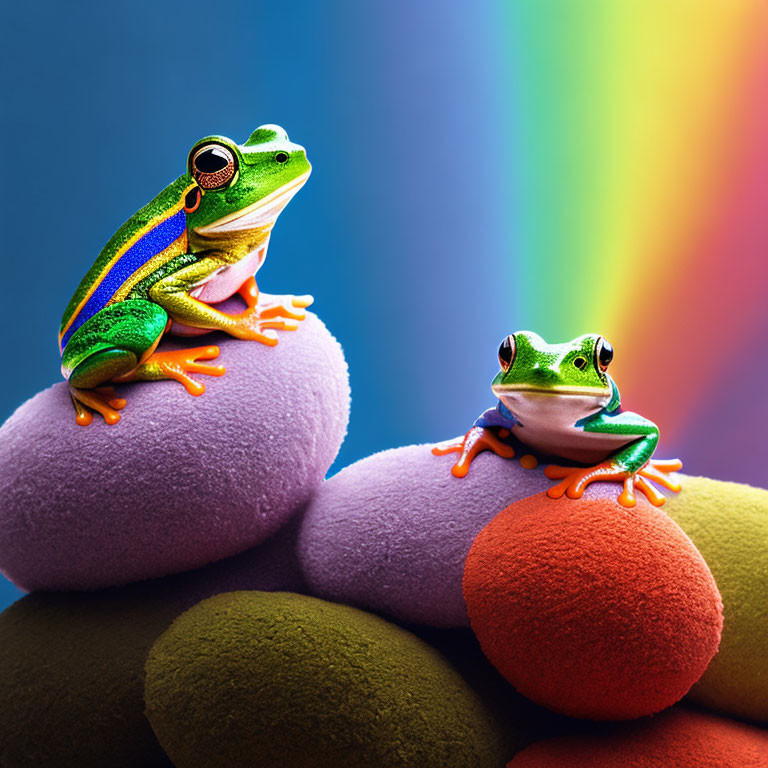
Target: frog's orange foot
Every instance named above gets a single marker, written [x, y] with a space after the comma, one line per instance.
[658, 471]
[576, 479]
[103, 400]
[283, 306]
[177, 364]
[476, 440]
[254, 326]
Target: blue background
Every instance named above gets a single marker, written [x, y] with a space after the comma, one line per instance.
[395, 107]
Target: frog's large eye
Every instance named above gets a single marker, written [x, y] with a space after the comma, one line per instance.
[603, 354]
[507, 353]
[213, 166]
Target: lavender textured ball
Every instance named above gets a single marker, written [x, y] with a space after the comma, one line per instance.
[180, 481]
[391, 532]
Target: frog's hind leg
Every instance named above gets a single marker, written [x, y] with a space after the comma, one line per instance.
[177, 364]
[101, 399]
[84, 384]
[107, 346]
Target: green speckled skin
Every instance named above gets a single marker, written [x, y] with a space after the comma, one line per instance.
[113, 341]
[140, 220]
[127, 324]
[198, 242]
[559, 401]
[572, 370]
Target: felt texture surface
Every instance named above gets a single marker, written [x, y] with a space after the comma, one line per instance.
[521, 720]
[180, 481]
[278, 679]
[391, 532]
[728, 523]
[592, 609]
[675, 739]
[72, 664]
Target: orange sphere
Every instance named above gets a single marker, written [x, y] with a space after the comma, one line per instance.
[677, 738]
[592, 609]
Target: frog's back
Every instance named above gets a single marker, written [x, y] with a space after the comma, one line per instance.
[152, 236]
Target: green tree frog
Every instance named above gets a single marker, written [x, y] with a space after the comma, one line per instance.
[559, 400]
[200, 241]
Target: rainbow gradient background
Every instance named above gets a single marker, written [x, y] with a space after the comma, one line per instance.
[563, 166]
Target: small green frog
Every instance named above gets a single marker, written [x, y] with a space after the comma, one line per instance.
[200, 241]
[559, 400]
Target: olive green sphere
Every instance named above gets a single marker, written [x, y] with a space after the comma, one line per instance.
[71, 689]
[72, 663]
[280, 679]
[728, 523]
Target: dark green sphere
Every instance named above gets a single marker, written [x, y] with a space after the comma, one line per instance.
[71, 688]
[72, 664]
[279, 679]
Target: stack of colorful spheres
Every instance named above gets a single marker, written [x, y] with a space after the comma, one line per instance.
[201, 596]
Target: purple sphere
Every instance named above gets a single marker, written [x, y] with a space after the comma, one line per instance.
[391, 532]
[179, 481]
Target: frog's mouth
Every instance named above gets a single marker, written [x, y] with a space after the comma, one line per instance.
[527, 389]
[258, 214]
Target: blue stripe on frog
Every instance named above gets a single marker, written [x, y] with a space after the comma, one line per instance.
[148, 245]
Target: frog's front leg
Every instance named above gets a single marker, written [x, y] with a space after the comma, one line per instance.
[631, 465]
[173, 294]
[268, 306]
[486, 434]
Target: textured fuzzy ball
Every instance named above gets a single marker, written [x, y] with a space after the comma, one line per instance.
[521, 720]
[72, 664]
[591, 609]
[674, 739]
[253, 678]
[728, 523]
[180, 481]
[391, 532]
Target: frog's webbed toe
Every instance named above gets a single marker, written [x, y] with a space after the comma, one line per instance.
[253, 326]
[574, 480]
[284, 306]
[658, 471]
[178, 364]
[103, 400]
[476, 440]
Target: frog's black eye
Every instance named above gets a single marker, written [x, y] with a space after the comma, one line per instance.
[192, 200]
[580, 362]
[507, 353]
[603, 354]
[281, 157]
[213, 166]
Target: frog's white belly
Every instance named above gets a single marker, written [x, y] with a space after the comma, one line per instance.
[221, 285]
[571, 443]
[224, 283]
[546, 424]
